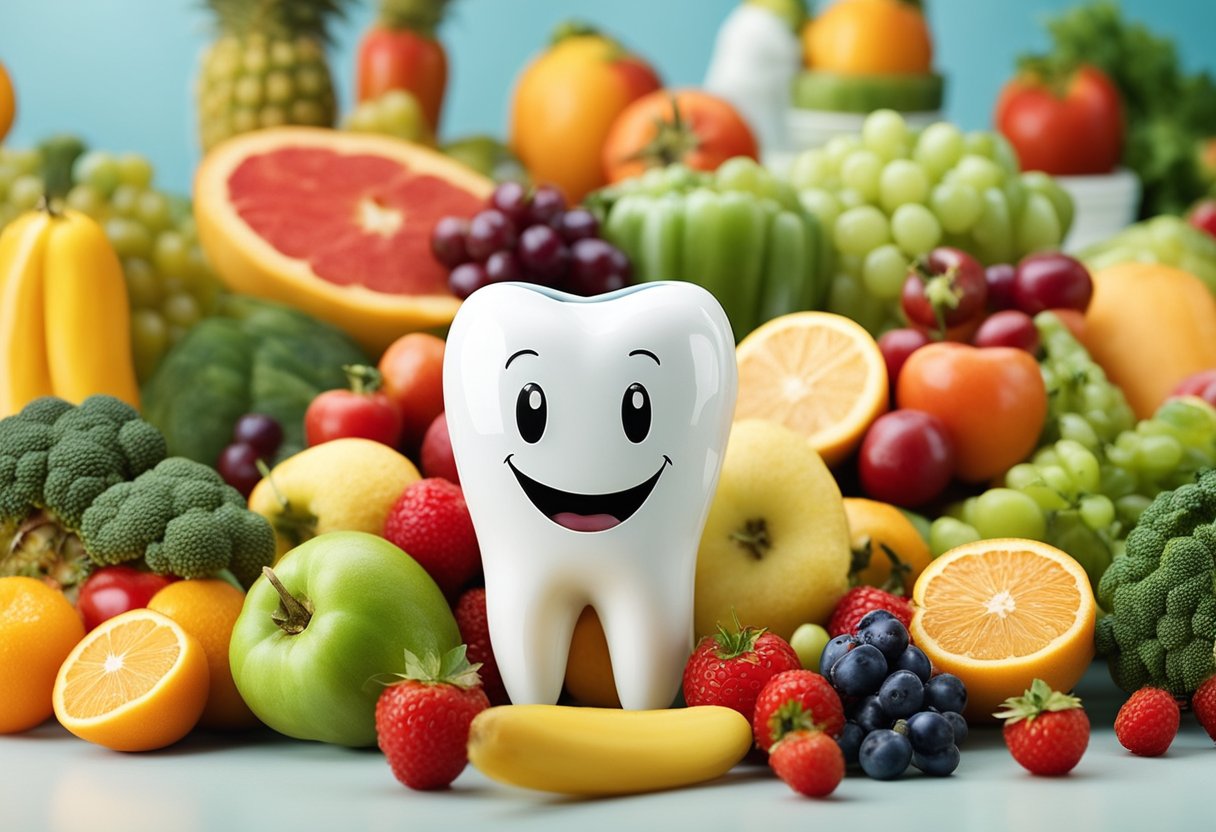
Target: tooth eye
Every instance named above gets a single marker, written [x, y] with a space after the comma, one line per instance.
[635, 412]
[531, 412]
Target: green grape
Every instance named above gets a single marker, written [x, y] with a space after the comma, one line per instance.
[850, 264]
[978, 172]
[1016, 195]
[860, 171]
[915, 229]
[143, 286]
[170, 253]
[1038, 227]
[1005, 512]
[860, 229]
[980, 143]
[884, 271]
[1061, 200]
[957, 205]
[125, 200]
[812, 169]
[850, 198]
[946, 533]
[8, 173]
[902, 182]
[743, 174]
[1096, 511]
[1158, 455]
[821, 204]
[938, 148]
[886, 133]
[25, 160]
[838, 147]
[1076, 428]
[152, 209]
[129, 238]
[134, 170]
[1028, 478]
[1004, 155]
[149, 340]
[98, 170]
[993, 232]
[88, 201]
[181, 309]
[401, 114]
[25, 192]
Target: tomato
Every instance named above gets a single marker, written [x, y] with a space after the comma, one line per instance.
[992, 401]
[412, 373]
[404, 59]
[564, 104]
[361, 412]
[1073, 128]
[698, 129]
[111, 590]
[1203, 216]
[869, 37]
[944, 289]
[1201, 384]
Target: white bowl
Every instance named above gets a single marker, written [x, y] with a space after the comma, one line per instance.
[1103, 206]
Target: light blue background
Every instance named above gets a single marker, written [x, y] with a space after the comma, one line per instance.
[120, 72]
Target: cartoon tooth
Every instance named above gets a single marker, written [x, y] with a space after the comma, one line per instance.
[588, 433]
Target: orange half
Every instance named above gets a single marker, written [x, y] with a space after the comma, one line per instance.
[817, 373]
[1000, 613]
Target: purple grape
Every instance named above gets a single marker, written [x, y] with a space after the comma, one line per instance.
[547, 205]
[543, 254]
[595, 268]
[489, 231]
[449, 241]
[259, 430]
[238, 466]
[503, 266]
[466, 279]
[1000, 278]
[578, 224]
[512, 199]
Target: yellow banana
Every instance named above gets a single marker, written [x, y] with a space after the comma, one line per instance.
[24, 373]
[606, 751]
[88, 321]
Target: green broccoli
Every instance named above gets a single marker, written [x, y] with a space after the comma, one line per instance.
[1161, 594]
[182, 519]
[55, 459]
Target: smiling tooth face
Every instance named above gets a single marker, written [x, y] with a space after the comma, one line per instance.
[588, 434]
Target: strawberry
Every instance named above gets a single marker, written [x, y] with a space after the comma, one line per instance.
[1148, 722]
[435, 457]
[1203, 703]
[731, 667]
[810, 762]
[470, 613]
[796, 700]
[863, 599]
[422, 720]
[1046, 731]
[430, 522]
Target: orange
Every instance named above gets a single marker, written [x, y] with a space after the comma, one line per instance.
[817, 373]
[589, 676]
[876, 527]
[1001, 613]
[869, 37]
[38, 628]
[207, 609]
[136, 682]
[8, 102]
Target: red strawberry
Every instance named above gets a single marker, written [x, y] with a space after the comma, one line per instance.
[1203, 703]
[810, 762]
[422, 721]
[731, 667]
[863, 599]
[431, 522]
[470, 613]
[796, 700]
[1046, 731]
[435, 457]
[1148, 722]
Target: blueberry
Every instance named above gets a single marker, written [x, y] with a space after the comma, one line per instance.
[888, 634]
[850, 742]
[958, 724]
[939, 764]
[871, 716]
[874, 616]
[833, 650]
[884, 754]
[929, 733]
[914, 659]
[901, 694]
[859, 671]
[946, 692]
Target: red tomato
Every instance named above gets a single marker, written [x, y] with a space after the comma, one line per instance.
[412, 372]
[992, 401]
[1073, 131]
[1203, 216]
[404, 59]
[646, 134]
[1201, 384]
[115, 589]
[361, 412]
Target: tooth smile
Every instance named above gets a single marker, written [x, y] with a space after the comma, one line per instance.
[586, 512]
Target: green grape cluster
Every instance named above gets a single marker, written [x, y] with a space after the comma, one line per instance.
[1083, 404]
[891, 194]
[170, 285]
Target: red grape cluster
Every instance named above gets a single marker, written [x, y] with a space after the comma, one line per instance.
[255, 436]
[528, 234]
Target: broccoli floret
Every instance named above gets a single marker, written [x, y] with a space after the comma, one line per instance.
[182, 519]
[1161, 594]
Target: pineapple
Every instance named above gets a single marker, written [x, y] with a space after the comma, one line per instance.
[267, 68]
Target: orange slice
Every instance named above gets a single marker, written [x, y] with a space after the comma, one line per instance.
[817, 373]
[136, 682]
[1000, 613]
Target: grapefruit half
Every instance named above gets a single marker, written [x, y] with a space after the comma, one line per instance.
[336, 224]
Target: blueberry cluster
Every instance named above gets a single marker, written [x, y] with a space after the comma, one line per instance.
[899, 713]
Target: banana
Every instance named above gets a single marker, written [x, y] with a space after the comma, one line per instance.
[606, 751]
[88, 323]
[23, 360]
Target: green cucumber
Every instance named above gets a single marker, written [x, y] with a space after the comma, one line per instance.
[835, 92]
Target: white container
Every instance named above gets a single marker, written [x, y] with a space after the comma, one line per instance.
[1103, 206]
[806, 129]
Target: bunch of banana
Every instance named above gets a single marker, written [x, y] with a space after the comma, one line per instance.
[606, 751]
[64, 320]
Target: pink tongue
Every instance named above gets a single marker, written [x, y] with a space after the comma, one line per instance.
[585, 522]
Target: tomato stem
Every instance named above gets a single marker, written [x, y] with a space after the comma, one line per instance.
[362, 379]
[294, 613]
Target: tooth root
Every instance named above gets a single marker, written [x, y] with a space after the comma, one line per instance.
[530, 631]
[649, 634]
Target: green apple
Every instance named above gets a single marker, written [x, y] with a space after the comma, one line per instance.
[776, 543]
[808, 642]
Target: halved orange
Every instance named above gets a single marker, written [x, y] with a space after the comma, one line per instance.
[136, 682]
[817, 373]
[1000, 613]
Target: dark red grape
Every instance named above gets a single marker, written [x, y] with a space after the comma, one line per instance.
[543, 254]
[623, 267]
[1051, 280]
[502, 266]
[489, 231]
[1008, 328]
[906, 458]
[238, 465]
[259, 430]
[512, 199]
[594, 268]
[896, 345]
[547, 205]
[466, 279]
[578, 224]
[944, 288]
[449, 241]
[999, 278]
